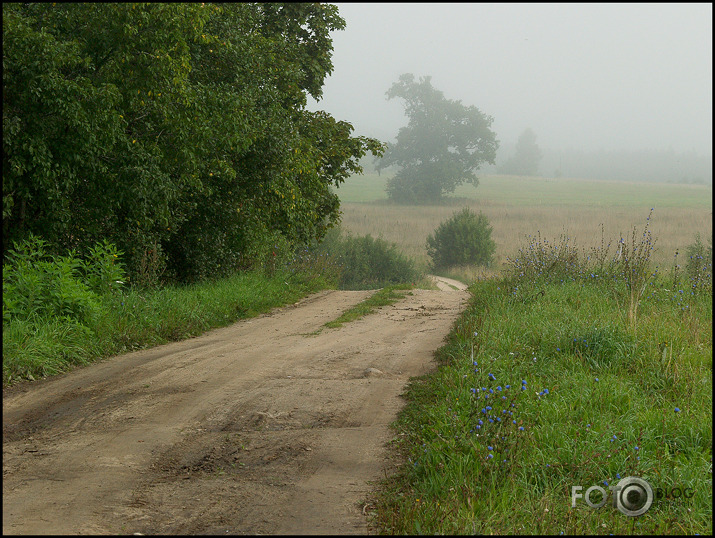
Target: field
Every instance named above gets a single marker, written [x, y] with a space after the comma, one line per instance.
[519, 206]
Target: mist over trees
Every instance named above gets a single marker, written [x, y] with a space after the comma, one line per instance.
[442, 146]
[526, 158]
[659, 166]
[176, 131]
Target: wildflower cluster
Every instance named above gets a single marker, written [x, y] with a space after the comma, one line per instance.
[496, 425]
[629, 267]
[543, 259]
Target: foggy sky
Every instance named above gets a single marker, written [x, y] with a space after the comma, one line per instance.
[582, 76]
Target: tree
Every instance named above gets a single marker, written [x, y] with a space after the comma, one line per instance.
[177, 131]
[442, 146]
[527, 156]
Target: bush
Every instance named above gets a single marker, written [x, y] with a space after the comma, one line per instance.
[462, 240]
[38, 285]
[366, 262]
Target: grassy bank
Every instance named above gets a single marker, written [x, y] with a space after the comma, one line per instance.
[131, 319]
[551, 380]
[63, 311]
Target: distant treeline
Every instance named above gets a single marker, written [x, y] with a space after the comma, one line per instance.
[661, 166]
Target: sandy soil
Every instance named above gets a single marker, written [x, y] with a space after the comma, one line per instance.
[263, 427]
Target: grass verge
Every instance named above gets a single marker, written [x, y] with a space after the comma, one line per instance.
[546, 385]
[383, 297]
[131, 319]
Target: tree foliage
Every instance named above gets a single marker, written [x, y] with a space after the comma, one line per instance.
[464, 239]
[176, 131]
[442, 146]
[525, 161]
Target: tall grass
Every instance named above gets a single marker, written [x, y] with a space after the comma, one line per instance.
[546, 383]
[63, 311]
[518, 207]
[77, 328]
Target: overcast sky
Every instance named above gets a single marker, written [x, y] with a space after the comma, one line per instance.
[582, 76]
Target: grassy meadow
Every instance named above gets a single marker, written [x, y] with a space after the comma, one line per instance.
[518, 206]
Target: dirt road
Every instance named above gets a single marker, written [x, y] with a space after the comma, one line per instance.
[263, 427]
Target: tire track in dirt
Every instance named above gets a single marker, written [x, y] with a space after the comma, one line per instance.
[255, 428]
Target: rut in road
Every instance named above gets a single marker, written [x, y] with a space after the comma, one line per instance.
[259, 427]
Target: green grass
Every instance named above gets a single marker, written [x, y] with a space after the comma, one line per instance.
[383, 297]
[138, 319]
[54, 320]
[610, 410]
[537, 191]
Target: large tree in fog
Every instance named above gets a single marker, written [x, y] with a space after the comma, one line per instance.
[526, 158]
[442, 146]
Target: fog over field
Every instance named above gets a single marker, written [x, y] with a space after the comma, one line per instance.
[586, 78]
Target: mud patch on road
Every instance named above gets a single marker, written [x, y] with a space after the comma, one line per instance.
[227, 482]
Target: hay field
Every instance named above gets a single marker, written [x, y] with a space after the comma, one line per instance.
[517, 207]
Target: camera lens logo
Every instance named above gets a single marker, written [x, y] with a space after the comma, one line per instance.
[633, 496]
